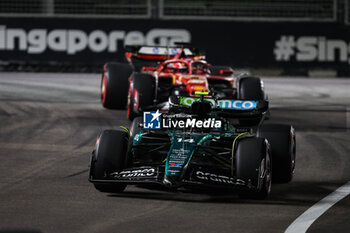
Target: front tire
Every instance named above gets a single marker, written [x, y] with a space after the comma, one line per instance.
[109, 156]
[253, 166]
[141, 94]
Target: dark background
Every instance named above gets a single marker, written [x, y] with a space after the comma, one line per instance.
[238, 44]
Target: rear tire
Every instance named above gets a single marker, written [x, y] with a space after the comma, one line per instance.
[141, 93]
[250, 88]
[115, 85]
[283, 150]
[252, 159]
[109, 156]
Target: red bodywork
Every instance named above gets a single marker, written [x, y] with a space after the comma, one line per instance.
[190, 73]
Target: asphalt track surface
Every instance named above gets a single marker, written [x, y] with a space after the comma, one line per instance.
[49, 123]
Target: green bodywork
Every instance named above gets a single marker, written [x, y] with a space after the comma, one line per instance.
[185, 142]
[184, 145]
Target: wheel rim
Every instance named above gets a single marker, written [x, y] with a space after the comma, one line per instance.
[292, 153]
[135, 99]
[129, 102]
[103, 89]
[268, 178]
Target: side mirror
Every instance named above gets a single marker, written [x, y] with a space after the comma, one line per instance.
[149, 68]
[226, 72]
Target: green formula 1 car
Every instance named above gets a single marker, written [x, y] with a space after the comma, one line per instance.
[199, 143]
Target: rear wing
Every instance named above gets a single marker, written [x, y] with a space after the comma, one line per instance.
[161, 53]
[228, 108]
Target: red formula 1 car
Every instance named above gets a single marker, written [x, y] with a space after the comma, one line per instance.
[155, 73]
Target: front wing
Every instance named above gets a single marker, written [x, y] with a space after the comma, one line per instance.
[195, 177]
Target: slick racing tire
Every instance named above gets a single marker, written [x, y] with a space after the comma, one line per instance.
[115, 85]
[250, 88]
[109, 156]
[141, 93]
[215, 70]
[283, 150]
[253, 166]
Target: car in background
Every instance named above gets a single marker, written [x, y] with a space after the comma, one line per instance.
[152, 74]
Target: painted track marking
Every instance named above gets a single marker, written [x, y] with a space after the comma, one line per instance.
[304, 221]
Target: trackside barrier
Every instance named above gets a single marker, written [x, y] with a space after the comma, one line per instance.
[83, 45]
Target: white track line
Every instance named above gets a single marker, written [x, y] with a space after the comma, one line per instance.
[304, 221]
